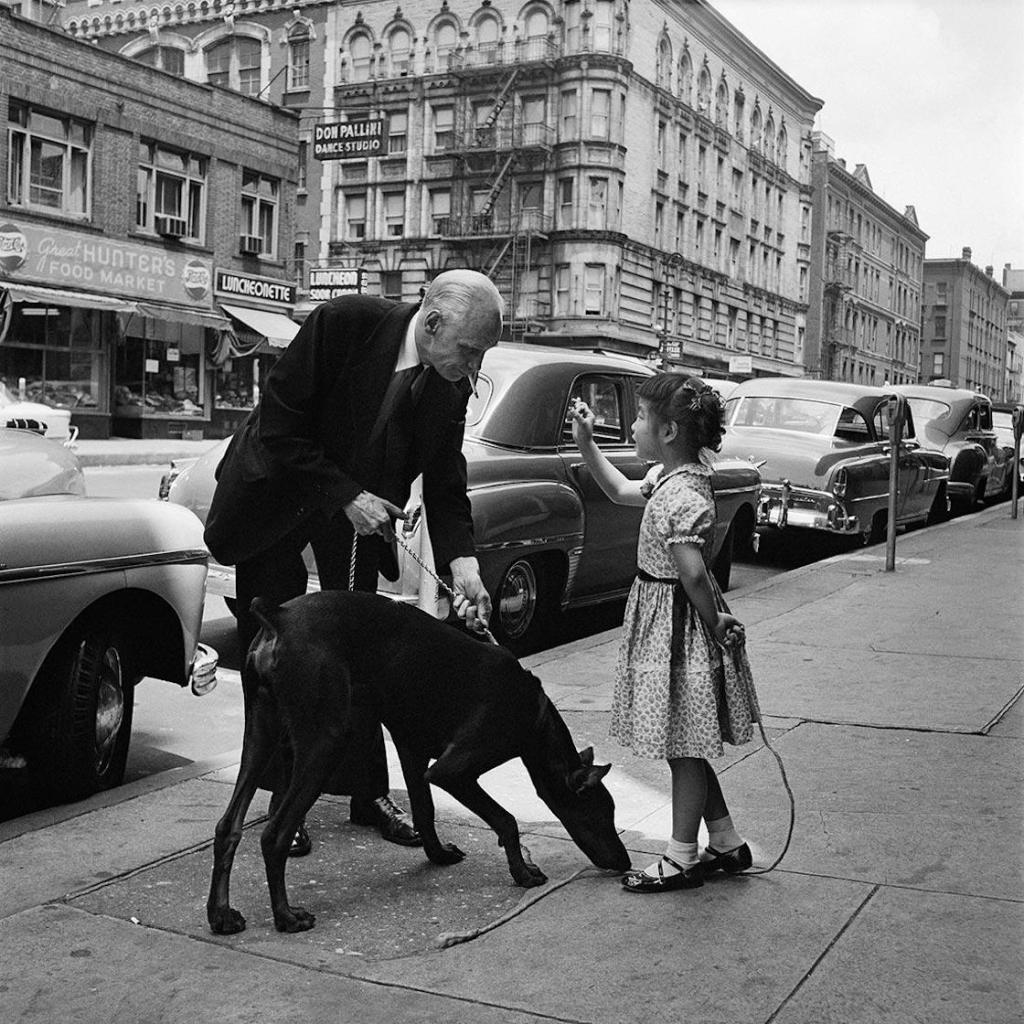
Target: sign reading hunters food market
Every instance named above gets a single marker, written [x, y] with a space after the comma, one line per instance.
[330, 282]
[348, 140]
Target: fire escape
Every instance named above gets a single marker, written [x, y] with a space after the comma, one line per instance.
[837, 337]
[497, 219]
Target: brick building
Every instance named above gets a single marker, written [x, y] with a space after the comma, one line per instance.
[1013, 282]
[867, 259]
[129, 286]
[634, 176]
[963, 326]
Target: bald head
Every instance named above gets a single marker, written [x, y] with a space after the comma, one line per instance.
[459, 320]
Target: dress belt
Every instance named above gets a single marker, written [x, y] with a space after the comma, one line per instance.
[648, 578]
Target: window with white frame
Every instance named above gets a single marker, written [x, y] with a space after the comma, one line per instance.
[171, 192]
[597, 204]
[534, 119]
[487, 35]
[440, 211]
[400, 52]
[600, 113]
[235, 63]
[531, 204]
[602, 26]
[260, 196]
[536, 34]
[360, 51]
[484, 133]
[483, 218]
[394, 214]
[50, 160]
[298, 58]
[302, 170]
[398, 132]
[167, 58]
[355, 216]
[593, 290]
[444, 128]
[563, 306]
[565, 203]
[570, 115]
[446, 38]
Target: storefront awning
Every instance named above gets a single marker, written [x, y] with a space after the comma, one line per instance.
[67, 297]
[185, 315]
[275, 327]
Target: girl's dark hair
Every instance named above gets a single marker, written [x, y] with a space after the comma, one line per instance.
[691, 403]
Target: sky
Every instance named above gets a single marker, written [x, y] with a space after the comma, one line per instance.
[928, 94]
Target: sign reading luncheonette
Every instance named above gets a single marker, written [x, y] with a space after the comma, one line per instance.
[30, 253]
[261, 289]
[348, 140]
[330, 282]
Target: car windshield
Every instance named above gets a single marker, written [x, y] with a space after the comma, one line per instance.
[797, 414]
[927, 409]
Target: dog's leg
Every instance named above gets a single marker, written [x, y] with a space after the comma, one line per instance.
[261, 734]
[421, 803]
[456, 772]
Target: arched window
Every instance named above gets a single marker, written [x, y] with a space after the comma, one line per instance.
[234, 63]
[769, 137]
[399, 51]
[781, 150]
[487, 35]
[704, 91]
[722, 105]
[298, 58]
[685, 81]
[739, 126]
[755, 128]
[536, 41]
[360, 55]
[167, 58]
[446, 38]
[663, 69]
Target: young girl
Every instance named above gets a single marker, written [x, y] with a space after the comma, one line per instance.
[683, 684]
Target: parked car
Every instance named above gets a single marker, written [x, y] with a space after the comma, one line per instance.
[1002, 424]
[824, 455]
[95, 593]
[547, 537]
[958, 423]
[43, 419]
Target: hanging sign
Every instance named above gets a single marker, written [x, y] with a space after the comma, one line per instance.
[349, 140]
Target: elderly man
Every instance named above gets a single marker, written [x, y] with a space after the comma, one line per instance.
[370, 394]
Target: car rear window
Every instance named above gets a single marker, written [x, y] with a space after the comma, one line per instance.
[800, 415]
[927, 409]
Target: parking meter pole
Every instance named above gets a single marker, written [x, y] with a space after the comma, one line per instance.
[1018, 428]
[895, 433]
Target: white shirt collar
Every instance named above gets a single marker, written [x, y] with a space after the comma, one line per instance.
[408, 354]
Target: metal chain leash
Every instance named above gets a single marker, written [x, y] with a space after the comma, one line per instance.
[449, 593]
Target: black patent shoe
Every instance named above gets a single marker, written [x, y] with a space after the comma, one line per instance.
[385, 816]
[301, 843]
[684, 878]
[732, 861]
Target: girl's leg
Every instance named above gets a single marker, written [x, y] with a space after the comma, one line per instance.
[691, 788]
[726, 849]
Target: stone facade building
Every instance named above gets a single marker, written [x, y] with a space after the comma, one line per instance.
[634, 176]
[128, 289]
[867, 259]
[963, 326]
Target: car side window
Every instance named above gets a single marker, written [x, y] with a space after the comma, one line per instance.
[852, 427]
[605, 396]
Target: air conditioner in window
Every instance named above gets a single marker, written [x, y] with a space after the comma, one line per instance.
[170, 227]
[250, 245]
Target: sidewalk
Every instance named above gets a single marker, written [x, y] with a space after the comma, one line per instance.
[893, 701]
[124, 451]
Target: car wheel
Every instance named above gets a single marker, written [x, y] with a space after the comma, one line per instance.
[722, 567]
[521, 612]
[79, 735]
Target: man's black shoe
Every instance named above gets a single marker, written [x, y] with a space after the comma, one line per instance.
[390, 820]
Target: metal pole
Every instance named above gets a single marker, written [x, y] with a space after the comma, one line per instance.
[1018, 427]
[895, 433]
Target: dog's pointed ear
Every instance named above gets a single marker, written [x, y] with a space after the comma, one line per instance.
[587, 776]
[587, 757]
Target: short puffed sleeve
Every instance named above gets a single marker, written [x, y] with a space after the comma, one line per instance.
[682, 515]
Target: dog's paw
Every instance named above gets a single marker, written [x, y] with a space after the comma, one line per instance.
[528, 875]
[225, 921]
[295, 919]
[445, 853]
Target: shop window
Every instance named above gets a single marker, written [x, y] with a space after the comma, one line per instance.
[259, 211]
[159, 370]
[167, 58]
[298, 58]
[171, 192]
[50, 157]
[239, 379]
[235, 63]
[56, 352]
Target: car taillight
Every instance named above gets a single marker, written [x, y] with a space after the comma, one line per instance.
[839, 483]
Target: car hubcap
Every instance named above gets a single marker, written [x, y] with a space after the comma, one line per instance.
[109, 707]
[518, 599]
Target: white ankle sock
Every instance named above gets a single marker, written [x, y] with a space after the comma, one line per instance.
[722, 836]
[684, 854]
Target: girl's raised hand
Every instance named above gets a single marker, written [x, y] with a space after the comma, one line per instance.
[582, 421]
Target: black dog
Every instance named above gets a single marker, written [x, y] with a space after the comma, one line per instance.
[441, 694]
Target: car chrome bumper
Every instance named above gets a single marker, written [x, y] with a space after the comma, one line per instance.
[203, 671]
[782, 506]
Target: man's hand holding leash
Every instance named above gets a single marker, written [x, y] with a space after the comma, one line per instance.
[472, 602]
[369, 514]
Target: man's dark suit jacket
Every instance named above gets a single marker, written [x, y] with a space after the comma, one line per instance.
[304, 448]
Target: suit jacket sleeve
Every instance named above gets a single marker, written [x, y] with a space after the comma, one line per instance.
[449, 512]
[295, 399]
